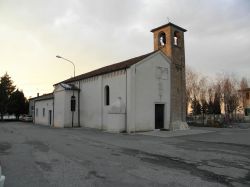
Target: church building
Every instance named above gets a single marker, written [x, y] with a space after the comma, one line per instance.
[140, 94]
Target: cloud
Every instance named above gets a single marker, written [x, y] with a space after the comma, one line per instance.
[95, 33]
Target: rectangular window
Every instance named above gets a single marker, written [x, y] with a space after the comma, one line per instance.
[36, 112]
[43, 112]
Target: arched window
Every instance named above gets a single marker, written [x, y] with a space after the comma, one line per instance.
[106, 95]
[176, 38]
[161, 39]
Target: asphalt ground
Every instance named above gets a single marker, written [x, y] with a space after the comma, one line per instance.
[33, 155]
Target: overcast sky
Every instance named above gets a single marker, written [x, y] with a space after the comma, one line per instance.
[96, 33]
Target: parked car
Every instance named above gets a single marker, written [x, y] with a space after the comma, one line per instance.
[2, 178]
[26, 118]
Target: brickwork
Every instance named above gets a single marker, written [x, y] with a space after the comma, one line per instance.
[176, 53]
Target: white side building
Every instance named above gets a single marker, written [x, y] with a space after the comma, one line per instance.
[42, 109]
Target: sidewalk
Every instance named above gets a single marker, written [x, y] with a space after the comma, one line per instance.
[168, 134]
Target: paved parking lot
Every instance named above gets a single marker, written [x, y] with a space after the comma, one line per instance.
[33, 155]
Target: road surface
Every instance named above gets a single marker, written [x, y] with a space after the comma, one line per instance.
[32, 155]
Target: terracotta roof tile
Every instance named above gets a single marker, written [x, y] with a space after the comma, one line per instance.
[168, 24]
[43, 97]
[108, 69]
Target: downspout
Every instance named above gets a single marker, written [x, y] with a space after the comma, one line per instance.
[73, 111]
[34, 112]
[134, 100]
[126, 120]
[102, 102]
[53, 113]
[79, 125]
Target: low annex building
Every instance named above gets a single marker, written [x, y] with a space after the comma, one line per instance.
[140, 94]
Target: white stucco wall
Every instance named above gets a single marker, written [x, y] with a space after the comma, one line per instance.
[94, 113]
[139, 87]
[147, 87]
[39, 117]
[59, 104]
[90, 103]
[117, 86]
[67, 110]
[62, 110]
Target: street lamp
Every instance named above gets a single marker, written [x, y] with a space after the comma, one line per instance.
[72, 101]
[57, 56]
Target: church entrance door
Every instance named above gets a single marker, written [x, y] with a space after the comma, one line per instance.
[159, 116]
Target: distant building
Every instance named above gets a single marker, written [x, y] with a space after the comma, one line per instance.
[246, 102]
[41, 109]
[140, 94]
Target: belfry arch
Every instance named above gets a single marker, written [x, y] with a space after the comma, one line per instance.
[162, 40]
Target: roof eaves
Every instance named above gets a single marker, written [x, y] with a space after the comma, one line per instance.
[108, 69]
[43, 97]
[169, 24]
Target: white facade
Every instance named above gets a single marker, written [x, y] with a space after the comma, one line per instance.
[149, 84]
[133, 95]
[43, 112]
[139, 87]
[94, 112]
[64, 117]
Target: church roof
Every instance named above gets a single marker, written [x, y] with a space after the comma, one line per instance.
[168, 24]
[69, 86]
[43, 97]
[108, 69]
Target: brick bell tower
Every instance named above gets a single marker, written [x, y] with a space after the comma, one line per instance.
[169, 38]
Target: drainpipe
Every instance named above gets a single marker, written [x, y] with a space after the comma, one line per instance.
[79, 104]
[34, 112]
[73, 111]
[53, 112]
[126, 120]
[101, 101]
[134, 91]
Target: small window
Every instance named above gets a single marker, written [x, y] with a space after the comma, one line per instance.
[43, 112]
[106, 95]
[247, 95]
[36, 112]
[162, 39]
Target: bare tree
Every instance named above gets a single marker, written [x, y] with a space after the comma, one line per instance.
[230, 95]
[216, 94]
[243, 83]
[243, 86]
[191, 85]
